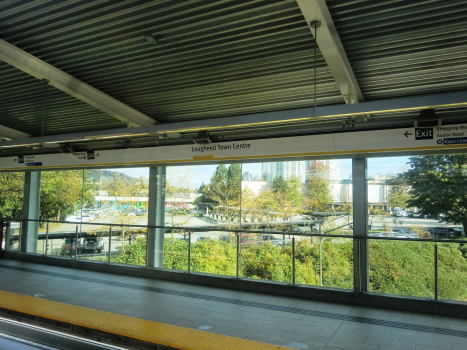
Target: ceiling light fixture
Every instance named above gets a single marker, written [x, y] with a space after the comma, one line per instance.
[202, 138]
[427, 118]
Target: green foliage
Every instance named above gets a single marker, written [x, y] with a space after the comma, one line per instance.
[287, 195]
[61, 193]
[175, 254]
[134, 254]
[225, 188]
[404, 268]
[214, 257]
[11, 194]
[452, 272]
[317, 190]
[398, 191]
[439, 186]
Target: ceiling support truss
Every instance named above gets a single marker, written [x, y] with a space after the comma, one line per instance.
[332, 49]
[72, 86]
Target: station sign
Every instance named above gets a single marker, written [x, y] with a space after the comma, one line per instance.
[376, 141]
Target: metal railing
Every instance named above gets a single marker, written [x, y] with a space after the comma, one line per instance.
[77, 235]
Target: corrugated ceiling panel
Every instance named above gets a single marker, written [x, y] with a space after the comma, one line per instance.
[27, 105]
[212, 59]
[401, 48]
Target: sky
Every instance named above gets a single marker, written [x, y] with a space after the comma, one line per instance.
[202, 173]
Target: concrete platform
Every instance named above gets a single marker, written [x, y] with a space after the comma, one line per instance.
[282, 321]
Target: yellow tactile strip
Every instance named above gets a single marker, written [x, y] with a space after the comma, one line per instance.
[127, 326]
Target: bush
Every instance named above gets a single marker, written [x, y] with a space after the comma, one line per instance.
[404, 268]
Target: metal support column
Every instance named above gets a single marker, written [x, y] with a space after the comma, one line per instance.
[156, 217]
[31, 206]
[360, 224]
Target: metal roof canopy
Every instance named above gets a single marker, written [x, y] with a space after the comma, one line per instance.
[76, 88]
[332, 49]
[452, 99]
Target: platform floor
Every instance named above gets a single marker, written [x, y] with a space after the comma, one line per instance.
[289, 322]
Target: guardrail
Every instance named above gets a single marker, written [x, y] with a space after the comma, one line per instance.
[236, 238]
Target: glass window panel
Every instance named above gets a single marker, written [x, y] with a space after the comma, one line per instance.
[300, 197]
[120, 198]
[201, 196]
[414, 198]
[417, 197]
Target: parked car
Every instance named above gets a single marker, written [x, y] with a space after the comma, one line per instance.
[73, 218]
[203, 238]
[442, 232]
[69, 246]
[86, 218]
[246, 238]
[403, 231]
[459, 231]
[381, 234]
[141, 211]
[93, 244]
[268, 238]
[302, 229]
[224, 237]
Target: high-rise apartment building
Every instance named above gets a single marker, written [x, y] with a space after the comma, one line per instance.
[247, 176]
[299, 169]
[331, 166]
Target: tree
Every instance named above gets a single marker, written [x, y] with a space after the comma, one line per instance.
[177, 187]
[317, 190]
[439, 186]
[287, 193]
[125, 190]
[11, 194]
[225, 188]
[398, 191]
[61, 193]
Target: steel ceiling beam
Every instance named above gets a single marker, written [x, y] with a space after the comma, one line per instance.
[332, 49]
[12, 134]
[72, 86]
[343, 111]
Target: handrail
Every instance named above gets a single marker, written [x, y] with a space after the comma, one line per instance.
[214, 228]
